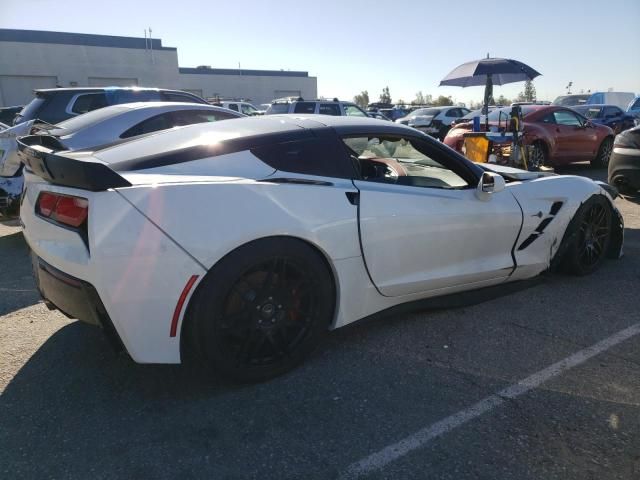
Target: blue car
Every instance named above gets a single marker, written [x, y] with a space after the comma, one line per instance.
[610, 115]
[634, 107]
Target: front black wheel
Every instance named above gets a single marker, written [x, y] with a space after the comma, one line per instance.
[604, 153]
[262, 309]
[589, 236]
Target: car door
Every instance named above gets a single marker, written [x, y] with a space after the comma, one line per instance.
[422, 226]
[575, 141]
[613, 118]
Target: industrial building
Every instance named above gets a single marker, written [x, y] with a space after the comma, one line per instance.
[32, 59]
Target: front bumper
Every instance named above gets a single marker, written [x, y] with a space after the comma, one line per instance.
[10, 192]
[73, 297]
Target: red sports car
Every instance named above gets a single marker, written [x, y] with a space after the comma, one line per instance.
[558, 135]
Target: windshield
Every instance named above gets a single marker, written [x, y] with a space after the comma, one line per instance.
[82, 121]
[426, 111]
[570, 100]
[589, 112]
[278, 108]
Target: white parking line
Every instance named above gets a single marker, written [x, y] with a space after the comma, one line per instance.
[380, 459]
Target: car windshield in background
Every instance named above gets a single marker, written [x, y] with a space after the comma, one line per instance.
[570, 100]
[589, 112]
[502, 113]
[279, 108]
[81, 121]
[426, 111]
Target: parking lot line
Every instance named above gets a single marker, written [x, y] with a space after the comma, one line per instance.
[380, 459]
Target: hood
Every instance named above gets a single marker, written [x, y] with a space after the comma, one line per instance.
[9, 159]
[514, 174]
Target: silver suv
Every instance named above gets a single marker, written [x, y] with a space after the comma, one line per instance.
[323, 107]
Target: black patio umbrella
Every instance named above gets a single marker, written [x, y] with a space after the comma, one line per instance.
[489, 72]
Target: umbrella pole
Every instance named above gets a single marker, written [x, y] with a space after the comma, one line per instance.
[488, 91]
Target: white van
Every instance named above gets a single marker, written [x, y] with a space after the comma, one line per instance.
[619, 99]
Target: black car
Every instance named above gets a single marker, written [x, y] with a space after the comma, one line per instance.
[610, 115]
[624, 163]
[54, 105]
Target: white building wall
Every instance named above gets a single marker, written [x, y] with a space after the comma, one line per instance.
[259, 89]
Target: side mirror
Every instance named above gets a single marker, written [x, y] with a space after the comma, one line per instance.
[489, 183]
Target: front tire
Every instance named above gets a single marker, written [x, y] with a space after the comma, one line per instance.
[261, 310]
[589, 234]
[604, 153]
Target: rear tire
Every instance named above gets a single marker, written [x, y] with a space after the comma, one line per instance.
[604, 153]
[261, 310]
[589, 235]
[537, 157]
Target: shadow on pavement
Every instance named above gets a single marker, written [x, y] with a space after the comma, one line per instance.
[17, 287]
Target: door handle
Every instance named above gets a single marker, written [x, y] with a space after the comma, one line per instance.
[353, 197]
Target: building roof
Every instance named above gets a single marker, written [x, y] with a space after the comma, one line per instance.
[86, 39]
[242, 71]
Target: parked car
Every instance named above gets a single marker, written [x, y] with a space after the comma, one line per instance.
[610, 115]
[624, 166]
[333, 107]
[378, 115]
[557, 135]
[96, 130]
[245, 108]
[7, 114]
[571, 100]
[436, 121]
[54, 105]
[634, 107]
[280, 224]
[619, 99]
[473, 114]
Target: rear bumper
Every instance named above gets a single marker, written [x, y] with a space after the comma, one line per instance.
[624, 167]
[10, 191]
[73, 297]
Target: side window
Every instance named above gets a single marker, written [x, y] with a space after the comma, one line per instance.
[178, 97]
[248, 109]
[153, 124]
[329, 109]
[353, 111]
[563, 117]
[314, 156]
[189, 117]
[403, 161]
[88, 102]
[233, 106]
[454, 112]
[612, 112]
[304, 107]
[549, 119]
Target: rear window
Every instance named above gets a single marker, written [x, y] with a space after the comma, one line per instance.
[89, 101]
[78, 123]
[304, 107]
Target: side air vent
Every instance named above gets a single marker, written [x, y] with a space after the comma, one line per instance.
[555, 208]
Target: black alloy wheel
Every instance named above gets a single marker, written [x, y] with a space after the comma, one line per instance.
[537, 157]
[590, 233]
[604, 154]
[262, 309]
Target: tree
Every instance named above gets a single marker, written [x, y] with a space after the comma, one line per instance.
[401, 102]
[529, 92]
[362, 99]
[502, 100]
[443, 101]
[385, 96]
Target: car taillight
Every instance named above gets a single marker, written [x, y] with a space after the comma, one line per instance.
[64, 209]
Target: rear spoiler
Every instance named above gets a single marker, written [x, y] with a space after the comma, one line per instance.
[37, 152]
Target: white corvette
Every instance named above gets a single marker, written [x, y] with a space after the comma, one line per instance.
[242, 243]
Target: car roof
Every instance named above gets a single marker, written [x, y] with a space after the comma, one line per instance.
[247, 131]
[101, 89]
[598, 105]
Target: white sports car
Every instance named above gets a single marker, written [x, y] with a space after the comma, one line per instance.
[242, 243]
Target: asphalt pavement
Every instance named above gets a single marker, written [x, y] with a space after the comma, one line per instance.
[541, 383]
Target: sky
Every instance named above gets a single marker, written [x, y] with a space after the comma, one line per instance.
[353, 45]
